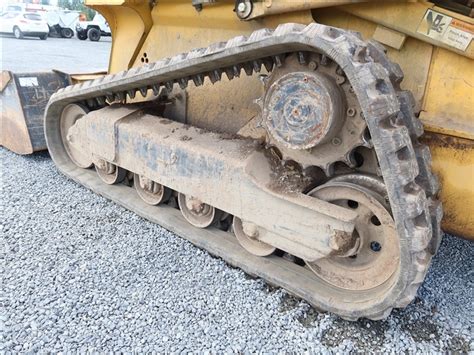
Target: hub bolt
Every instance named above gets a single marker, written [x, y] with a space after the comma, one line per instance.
[241, 7]
[375, 246]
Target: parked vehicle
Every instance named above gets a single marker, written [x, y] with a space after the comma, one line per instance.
[62, 22]
[22, 24]
[93, 29]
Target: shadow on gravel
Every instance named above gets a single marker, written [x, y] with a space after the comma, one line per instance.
[363, 333]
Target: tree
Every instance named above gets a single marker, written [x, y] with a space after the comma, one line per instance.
[65, 4]
[77, 5]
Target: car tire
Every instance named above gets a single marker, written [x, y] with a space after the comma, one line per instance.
[93, 34]
[43, 37]
[67, 32]
[81, 35]
[17, 33]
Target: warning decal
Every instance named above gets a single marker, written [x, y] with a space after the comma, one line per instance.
[443, 28]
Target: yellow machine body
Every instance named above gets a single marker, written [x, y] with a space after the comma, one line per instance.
[438, 68]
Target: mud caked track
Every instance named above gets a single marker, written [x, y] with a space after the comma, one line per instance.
[328, 255]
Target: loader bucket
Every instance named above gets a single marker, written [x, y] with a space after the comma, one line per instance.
[23, 100]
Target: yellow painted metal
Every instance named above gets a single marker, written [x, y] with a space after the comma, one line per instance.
[441, 77]
[129, 21]
[453, 162]
[414, 57]
[448, 105]
[178, 28]
[276, 7]
[406, 18]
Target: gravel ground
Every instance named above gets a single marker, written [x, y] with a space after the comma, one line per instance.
[81, 273]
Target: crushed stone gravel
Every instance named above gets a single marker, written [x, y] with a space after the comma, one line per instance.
[80, 273]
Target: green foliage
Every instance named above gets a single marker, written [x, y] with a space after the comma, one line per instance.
[77, 5]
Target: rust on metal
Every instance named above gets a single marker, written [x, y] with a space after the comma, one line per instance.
[24, 98]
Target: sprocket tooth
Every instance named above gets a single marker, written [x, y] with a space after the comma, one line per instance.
[268, 64]
[198, 79]
[120, 96]
[248, 68]
[131, 93]
[215, 76]
[257, 65]
[169, 85]
[156, 89]
[229, 72]
[101, 100]
[144, 91]
[278, 60]
[110, 97]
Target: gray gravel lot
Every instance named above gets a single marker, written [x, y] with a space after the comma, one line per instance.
[81, 273]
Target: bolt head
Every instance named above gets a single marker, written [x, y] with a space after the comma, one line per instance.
[250, 229]
[312, 65]
[241, 7]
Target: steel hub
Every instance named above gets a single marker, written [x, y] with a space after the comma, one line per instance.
[109, 172]
[150, 191]
[196, 212]
[301, 109]
[312, 115]
[375, 258]
[247, 234]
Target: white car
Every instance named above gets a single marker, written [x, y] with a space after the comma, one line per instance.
[93, 29]
[24, 24]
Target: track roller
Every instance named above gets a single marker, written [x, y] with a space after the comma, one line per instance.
[374, 259]
[69, 116]
[196, 212]
[110, 173]
[150, 191]
[246, 234]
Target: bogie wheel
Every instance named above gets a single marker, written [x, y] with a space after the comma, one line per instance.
[368, 272]
[67, 32]
[150, 191]
[93, 34]
[43, 37]
[110, 173]
[17, 33]
[69, 116]
[196, 212]
[246, 234]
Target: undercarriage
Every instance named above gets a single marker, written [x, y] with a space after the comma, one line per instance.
[327, 192]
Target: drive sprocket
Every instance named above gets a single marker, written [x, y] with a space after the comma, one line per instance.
[311, 114]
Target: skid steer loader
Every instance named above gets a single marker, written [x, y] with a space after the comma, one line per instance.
[309, 143]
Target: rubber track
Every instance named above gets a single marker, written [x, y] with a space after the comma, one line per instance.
[394, 129]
